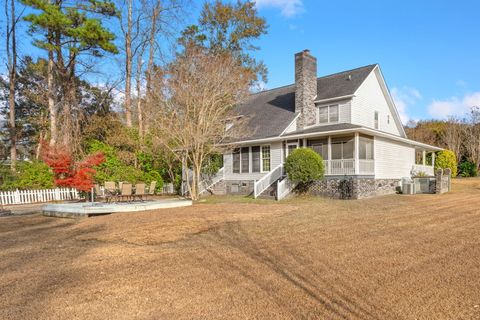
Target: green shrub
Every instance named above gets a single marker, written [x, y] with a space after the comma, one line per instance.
[446, 159]
[29, 175]
[212, 164]
[304, 166]
[148, 177]
[468, 169]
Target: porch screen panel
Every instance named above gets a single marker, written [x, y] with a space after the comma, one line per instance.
[236, 160]
[266, 158]
[365, 148]
[342, 148]
[245, 160]
[256, 159]
[320, 146]
[348, 147]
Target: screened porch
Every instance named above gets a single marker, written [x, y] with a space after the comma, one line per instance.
[342, 155]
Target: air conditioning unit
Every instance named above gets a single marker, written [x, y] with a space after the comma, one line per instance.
[408, 188]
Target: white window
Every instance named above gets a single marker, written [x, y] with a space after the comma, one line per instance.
[328, 114]
[251, 159]
[236, 160]
[256, 159]
[375, 120]
[265, 158]
[323, 115]
[245, 159]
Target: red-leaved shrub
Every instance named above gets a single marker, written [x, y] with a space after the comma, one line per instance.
[68, 173]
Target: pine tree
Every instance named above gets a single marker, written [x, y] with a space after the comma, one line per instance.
[69, 29]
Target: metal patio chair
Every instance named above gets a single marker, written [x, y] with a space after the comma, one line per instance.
[139, 191]
[151, 188]
[110, 190]
[126, 191]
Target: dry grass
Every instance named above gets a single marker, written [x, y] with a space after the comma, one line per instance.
[395, 257]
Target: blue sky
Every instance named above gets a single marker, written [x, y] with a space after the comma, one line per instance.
[429, 51]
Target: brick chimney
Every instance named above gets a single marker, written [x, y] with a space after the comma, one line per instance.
[305, 88]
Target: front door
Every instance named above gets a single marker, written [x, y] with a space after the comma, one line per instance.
[291, 146]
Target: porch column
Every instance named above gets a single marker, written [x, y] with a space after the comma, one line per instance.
[329, 149]
[433, 158]
[356, 153]
[424, 158]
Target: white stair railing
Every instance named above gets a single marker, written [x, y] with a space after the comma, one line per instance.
[206, 184]
[267, 180]
[284, 187]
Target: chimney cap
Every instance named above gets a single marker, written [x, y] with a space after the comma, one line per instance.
[306, 51]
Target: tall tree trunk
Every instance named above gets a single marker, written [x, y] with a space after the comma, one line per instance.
[12, 73]
[128, 66]
[149, 73]
[139, 94]
[51, 99]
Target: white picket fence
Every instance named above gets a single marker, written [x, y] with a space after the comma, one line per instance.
[35, 196]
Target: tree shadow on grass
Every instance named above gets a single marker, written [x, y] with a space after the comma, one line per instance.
[289, 267]
[40, 259]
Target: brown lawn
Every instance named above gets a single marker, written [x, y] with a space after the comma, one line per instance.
[394, 257]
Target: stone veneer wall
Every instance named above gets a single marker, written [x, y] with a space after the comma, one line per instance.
[305, 88]
[443, 180]
[353, 188]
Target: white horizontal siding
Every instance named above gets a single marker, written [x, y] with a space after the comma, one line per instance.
[370, 98]
[275, 160]
[393, 160]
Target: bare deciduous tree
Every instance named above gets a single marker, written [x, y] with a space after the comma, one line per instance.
[472, 136]
[452, 136]
[192, 109]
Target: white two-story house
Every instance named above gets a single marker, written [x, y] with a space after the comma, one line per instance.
[349, 118]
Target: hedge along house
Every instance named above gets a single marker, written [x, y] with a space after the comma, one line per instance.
[349, 118]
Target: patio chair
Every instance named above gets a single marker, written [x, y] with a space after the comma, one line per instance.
[151, 189]
[139, 191]
[110, 190]
[98, 192]
[126, 191]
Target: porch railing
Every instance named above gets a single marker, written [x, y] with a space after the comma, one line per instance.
[347, 167]
[422, 169]
[267, 180]
[339, 167]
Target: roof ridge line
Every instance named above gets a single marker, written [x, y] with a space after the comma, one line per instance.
[354, 69]
[328, 75]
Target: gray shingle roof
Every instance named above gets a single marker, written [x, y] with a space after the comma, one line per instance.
[338, 84]
[269, 112]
